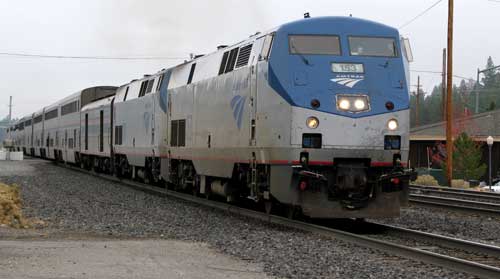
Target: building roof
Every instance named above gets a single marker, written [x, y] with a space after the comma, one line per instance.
[478, 126]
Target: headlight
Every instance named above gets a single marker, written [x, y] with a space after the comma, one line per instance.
[344, 104]
[360, 104]
[392, 124]
[353, 103]
[312, 122]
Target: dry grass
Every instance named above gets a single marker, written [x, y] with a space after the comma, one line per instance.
[460, 183]
[10, 207]
[426, 180]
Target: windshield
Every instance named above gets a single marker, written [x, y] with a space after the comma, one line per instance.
[371, 46]
[314, 44]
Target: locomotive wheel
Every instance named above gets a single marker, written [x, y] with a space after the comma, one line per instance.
[208, 193]
[146, 179]
[292, 212]
[95, 165]
[268, 206]
[195, 189]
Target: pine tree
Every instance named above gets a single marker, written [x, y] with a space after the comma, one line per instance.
[492, 106]
[489, 89]
[467, 156]
[489, 79]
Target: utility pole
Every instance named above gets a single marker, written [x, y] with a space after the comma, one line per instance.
[477, 91]
[449, 105]
[417, 104]
[10, 109]
[443, 85]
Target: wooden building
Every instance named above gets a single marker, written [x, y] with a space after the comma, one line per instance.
[427, 142]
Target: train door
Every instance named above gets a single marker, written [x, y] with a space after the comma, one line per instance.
[262, 47]
[73, 147]
[47, 145]
[253, 100]
[42, 136]
[86, 131]
[165, 106]
[56, 145]
[65, 146]
[164, 103]
[111, 131]
[101, 131]
[153, 113]
[32, 144]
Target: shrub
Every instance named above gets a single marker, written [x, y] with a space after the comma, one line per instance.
[10, 207]
[460, 183]
[426, 180]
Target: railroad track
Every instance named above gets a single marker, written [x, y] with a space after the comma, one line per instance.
[490, 197]
[459, 255]
[444, 245]
[453, 247]
[456, 199]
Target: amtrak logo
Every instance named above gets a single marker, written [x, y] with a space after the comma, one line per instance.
[348, 80]
[238, 106]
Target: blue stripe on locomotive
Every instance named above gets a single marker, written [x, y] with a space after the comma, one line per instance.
[238, 105]
[298, 83]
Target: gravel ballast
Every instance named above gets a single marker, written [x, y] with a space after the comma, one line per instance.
[74, 204]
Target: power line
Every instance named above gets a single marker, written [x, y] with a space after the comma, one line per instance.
[423, 71]
[438, 72]
[32, 55]
[420, 14]
[486, 90]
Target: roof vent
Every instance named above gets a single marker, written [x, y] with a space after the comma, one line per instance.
[244, 56]
[221, 47]
[147, 76]
[307, 15]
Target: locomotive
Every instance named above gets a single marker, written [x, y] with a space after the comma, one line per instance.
[312, 115]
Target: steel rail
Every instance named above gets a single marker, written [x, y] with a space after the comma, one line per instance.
[457, 204]
[456, 190]
[441, 240]
[460, 195]
[469, 267]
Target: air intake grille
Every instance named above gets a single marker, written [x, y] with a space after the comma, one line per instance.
[244, 56]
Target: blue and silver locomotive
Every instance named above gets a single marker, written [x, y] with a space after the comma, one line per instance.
[313, 115]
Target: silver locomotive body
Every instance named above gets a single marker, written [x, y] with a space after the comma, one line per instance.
[238, 123]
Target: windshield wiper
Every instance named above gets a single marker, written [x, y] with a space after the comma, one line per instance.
[302, 57]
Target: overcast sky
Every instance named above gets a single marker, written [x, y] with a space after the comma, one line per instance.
[168, 28]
